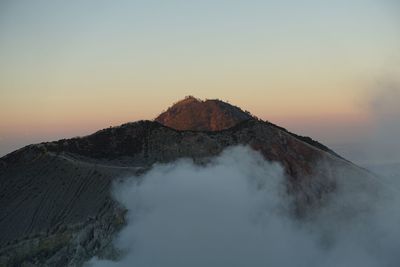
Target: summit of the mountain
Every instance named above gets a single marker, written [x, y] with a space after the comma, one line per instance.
[197, 115]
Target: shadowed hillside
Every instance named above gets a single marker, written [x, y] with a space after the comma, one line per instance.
[55, 200]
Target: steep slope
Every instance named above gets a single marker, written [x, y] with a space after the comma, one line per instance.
[56, 206]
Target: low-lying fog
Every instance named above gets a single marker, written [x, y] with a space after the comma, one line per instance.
[235, 212]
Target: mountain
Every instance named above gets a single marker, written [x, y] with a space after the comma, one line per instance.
[56, 207]
[193, 114]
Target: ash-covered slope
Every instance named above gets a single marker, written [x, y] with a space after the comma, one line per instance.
[55, 203]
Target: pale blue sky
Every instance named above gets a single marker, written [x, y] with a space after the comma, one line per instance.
[71, 67]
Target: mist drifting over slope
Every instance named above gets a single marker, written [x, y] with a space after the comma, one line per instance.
[380, 144]
[385, 110]
[235, 212]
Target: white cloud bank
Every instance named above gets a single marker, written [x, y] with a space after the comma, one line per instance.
[234, 212]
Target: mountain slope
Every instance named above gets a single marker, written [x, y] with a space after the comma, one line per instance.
[56, 206]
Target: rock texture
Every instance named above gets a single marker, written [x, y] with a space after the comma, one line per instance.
[56, 207]
[197, 115]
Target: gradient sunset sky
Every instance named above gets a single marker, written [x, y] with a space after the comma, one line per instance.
[68, 68]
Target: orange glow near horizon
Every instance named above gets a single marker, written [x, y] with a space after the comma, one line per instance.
[307, 67]
[64, 122]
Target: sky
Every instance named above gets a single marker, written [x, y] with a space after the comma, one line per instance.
[69, 68]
